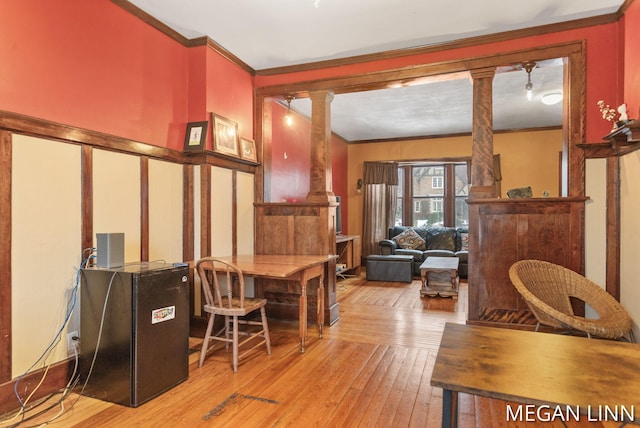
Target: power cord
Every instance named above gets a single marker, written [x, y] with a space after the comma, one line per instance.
[88, 255]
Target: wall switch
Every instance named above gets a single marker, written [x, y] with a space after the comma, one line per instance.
[71, 343]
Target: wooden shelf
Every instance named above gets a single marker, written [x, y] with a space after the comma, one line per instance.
[619, 142]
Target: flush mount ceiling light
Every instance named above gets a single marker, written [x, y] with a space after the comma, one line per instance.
[551, 98]
[288, 118]
[528, 67]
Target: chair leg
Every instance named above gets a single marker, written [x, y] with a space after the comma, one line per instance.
[226, 331]
[265, 327]
[205, 342]
[235, 344]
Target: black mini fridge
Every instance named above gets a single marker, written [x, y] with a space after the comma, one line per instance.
[138, 316]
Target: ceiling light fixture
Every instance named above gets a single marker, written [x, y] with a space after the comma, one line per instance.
[288, 118]
[528, 67]
[551, 98]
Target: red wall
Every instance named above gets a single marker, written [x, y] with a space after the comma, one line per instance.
[290, 176]
[230, 92]
[631, 21]
[92, 65]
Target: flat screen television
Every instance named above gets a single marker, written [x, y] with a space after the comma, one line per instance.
[338, 216]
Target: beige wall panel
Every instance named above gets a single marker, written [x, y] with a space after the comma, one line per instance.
[197, 294]
[46, 226]
[116, 198]
[165, 211]
[630, 236]
[596, 224]
[221, 212]
[245, 213]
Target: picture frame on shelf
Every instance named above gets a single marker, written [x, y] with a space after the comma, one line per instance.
[196, 136]
[248, 149]
[225, 135]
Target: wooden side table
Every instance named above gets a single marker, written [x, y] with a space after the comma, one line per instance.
[444, 266]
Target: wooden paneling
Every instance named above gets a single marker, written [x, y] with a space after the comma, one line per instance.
[509, 230]
[297, 229]
[5, 254]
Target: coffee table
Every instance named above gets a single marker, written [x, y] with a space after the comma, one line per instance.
[444, 277]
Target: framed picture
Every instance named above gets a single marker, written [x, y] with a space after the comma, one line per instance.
[248, 149]
[196, 135]
[225, 135]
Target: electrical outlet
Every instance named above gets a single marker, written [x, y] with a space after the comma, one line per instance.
[71, 343]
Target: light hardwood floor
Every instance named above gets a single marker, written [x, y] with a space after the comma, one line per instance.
[371, 369]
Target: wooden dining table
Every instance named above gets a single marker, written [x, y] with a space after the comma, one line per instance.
[295, 268]
[590, 378]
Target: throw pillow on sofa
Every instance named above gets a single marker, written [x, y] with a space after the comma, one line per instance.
[441, 238]
[410, 240]
[464, 237]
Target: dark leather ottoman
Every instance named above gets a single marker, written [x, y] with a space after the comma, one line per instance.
[393, 268]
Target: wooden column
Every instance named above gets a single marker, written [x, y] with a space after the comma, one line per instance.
[482, 176]
[320, 186]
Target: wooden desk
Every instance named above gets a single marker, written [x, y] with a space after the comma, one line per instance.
[298, 269]
[535, 368]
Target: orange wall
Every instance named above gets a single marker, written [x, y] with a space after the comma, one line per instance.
[527, 159]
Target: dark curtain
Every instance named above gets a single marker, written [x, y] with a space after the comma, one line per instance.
[380, 188]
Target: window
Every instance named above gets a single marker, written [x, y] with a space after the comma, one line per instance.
[433, 194]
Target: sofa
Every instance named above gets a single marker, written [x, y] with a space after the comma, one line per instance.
[422, 242]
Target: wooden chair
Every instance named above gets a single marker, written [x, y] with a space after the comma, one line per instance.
[547, 288]
[218, 290]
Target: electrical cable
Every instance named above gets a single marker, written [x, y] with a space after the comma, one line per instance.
[57, 338]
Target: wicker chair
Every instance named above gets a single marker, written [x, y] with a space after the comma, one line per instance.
[547, 287]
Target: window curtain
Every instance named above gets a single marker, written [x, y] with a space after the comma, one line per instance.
[380, 188]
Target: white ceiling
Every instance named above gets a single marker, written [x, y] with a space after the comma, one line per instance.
[275, 33]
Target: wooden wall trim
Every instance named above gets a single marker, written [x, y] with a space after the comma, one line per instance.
[205, 210]
[87, 197]
[144, 209]
[5, 254]
[188, 210]
[234, 213]
[42, 128]
[613, 227]
[382, 79]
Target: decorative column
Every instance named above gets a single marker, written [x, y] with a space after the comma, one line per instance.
[482, 174]
[320, 186]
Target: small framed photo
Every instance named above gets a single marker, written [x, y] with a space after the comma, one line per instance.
[196, 135]
[248, 149]
[225, 135]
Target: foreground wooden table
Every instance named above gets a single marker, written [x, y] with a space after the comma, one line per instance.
[299, 269]
[542, 369]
